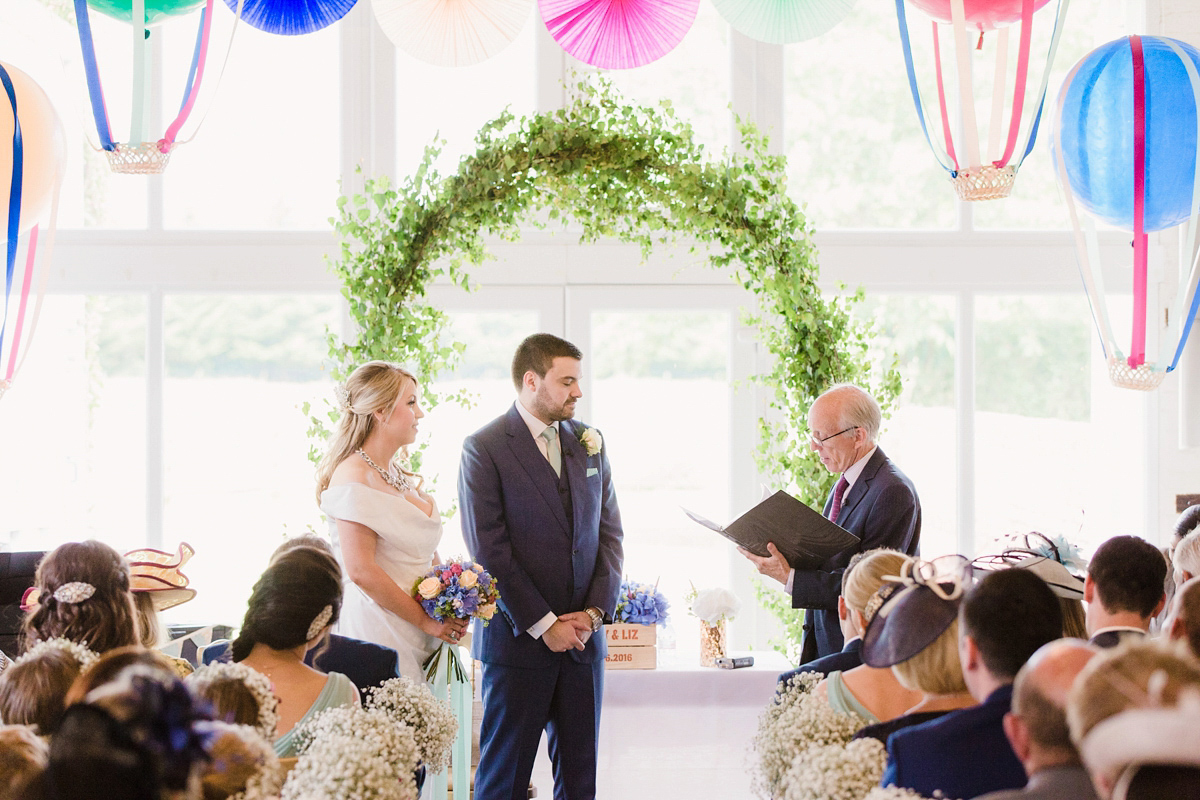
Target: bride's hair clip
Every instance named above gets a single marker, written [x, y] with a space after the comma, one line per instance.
[343, 398]
[319, 623]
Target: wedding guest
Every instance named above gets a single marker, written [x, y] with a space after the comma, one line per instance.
[849, 656]
[1187, 557]
[241, 763]
[870, 692]
[872, 499]
[81, 593]
[1188, 521]
[1066, 587]
[23, 756]
[1184, 622]
[108, 668]
[1134, 718]
[1037, 725]
[33, 690]
[291, 609]
[367, 664]
[1003, 620]
[237, 695]
[157, 584]
[132, 737]
[915, 632]
[1123, 589]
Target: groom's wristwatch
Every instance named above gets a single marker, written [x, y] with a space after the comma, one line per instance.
[597, 618]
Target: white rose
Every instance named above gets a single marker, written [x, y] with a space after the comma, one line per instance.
[429, 588]
[468, 579]
[592, 441]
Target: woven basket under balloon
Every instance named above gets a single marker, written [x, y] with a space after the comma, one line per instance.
[146, 158]
[712, 643]
[984, 183]
[1145, 378]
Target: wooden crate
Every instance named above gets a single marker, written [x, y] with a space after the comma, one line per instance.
[631, 658]
[622, 634]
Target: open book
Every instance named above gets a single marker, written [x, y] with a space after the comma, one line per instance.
[804, 537]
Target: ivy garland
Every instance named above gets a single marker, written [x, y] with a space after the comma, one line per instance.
[620, 171]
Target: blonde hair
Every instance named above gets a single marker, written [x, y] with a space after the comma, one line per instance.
[374, 386]
[936, 669]
[1074, 618]
[1187, 554]
[1119, 680]
[863, 578]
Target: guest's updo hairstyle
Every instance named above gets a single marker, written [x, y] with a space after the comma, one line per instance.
[294, 590]
[374, 386]
[864, 576]
[103, 621]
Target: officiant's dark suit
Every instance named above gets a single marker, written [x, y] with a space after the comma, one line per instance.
[553, 542]
[872, 499]
[882, 509]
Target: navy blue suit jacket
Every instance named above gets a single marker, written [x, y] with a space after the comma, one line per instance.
[366, 664]
[845, 660]
[883, 510]
[964, 753]
[515, 526]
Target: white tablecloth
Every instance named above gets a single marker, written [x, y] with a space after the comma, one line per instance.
[680, 731]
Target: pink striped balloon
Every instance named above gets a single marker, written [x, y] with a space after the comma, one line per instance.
[618, 34]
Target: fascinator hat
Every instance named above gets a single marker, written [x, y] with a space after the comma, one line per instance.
[159, 573]
[1056, 561]
[913, 609]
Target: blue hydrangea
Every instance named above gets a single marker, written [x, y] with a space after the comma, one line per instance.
[641, 604]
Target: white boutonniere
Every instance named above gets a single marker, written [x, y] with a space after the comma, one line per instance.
[591, 441]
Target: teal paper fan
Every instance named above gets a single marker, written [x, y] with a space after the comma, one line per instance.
[783, 21]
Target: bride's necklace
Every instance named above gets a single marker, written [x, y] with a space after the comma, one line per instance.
[401, 483]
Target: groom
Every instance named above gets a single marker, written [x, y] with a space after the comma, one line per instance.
[540, 513]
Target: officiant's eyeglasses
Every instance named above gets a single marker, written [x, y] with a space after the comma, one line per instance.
[818, 442]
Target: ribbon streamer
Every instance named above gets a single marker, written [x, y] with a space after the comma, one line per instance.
[448, 678]
[14, 200]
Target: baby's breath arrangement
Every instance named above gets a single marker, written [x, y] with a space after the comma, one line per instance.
[353, 754]
[431, 720]
[836, 771]
[82, 654]
[796, 721]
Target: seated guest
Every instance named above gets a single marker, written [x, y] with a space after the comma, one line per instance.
[870, 692]
[849, 657]
[242, 764]
[1187, 557]
[1188, 521]
[1184, 622]
[291, 609]
[1053, 562]
[81, 593]
[1003, 620]
[23, 756]
[1123, 589]
[915, 632]
[157, 584]
[132, 738]
[237, 695]
[1037, 725]
[365, 663]
[33, 690]
[1134, 714]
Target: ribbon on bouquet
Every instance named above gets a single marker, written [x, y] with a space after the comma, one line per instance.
[448, 678]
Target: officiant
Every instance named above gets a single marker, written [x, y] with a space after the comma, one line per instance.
[873, 499]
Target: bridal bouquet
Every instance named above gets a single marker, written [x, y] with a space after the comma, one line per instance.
[457, 589]
[641, 604]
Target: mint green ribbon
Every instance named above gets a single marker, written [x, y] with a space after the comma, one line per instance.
[448, 679]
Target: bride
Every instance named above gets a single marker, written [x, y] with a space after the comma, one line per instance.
[385, 530]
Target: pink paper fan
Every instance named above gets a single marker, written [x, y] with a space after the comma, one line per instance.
[618, 34]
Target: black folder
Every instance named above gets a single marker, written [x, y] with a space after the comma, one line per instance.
[805, 538]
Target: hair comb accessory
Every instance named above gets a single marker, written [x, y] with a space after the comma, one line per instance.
[74, 592]
[319, 623]
[343, 398]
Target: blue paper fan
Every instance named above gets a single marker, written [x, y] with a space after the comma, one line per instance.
[291, 17]
[783, 21]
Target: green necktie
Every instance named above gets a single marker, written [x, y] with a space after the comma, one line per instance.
[553, 451]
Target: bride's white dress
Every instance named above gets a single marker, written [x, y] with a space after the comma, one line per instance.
[407, 541]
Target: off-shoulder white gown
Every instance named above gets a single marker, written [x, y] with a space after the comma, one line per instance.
[404, 550]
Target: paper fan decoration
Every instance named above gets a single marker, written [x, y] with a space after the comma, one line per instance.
[618, 34]
[783, 21]
[291, 17]
[451, 33]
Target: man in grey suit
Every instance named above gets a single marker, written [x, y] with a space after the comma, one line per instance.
[873, 499]
[1037, 725]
